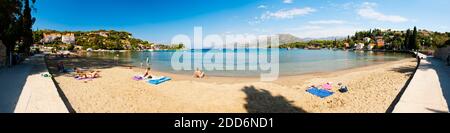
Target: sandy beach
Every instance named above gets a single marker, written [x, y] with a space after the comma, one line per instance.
[371, 89]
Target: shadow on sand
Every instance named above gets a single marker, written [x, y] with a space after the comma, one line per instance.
[90, 63]
[405, 70]
[262, 101]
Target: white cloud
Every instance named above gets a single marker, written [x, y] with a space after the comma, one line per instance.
[261, 30]
[262, 7]
[305, 27]
[253, 22]
[367, 11]
[287, 13]
[288, 1]
[321, 32]
[327, 22]
[343, 6]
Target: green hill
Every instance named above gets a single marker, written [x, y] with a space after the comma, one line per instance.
[100, 39]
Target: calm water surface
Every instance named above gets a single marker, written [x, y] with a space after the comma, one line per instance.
[291, 62]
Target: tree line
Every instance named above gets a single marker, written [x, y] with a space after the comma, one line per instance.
[393, 40]
[100, 39]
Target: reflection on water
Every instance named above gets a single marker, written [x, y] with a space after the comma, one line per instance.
[291, 62]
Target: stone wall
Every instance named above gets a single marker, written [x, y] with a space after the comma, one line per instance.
[442, 53]
[2, 54]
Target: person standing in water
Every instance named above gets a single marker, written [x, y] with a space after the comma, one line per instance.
[448, 59]
[199, 74]
[116, 58]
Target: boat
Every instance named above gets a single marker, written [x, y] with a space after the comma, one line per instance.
[148, 50]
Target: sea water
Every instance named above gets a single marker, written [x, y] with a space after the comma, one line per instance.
[291, 62]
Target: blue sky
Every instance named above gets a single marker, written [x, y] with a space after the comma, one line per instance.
[160, 20]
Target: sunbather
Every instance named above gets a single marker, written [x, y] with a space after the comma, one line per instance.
[147, 73]
[199, 74]
[60, 66]
[76, 70]
[81, 75]
[448, 59]
[93, 74]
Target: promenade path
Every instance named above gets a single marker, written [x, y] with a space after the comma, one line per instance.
[429, 90]
[24, 90]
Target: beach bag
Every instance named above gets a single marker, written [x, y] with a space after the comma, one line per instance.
[46, 75]
[343, 89]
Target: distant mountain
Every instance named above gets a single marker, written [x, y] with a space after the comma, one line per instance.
[325, 38]
[288, 38]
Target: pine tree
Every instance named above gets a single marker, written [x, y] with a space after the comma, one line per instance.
[413, 40]
[27, 22]
[335, 43]
[406, 43]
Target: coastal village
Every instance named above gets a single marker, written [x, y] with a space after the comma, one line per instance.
[79, 41]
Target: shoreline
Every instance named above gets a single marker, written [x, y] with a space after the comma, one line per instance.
[281, 77]
[253, 76]
[372, 89]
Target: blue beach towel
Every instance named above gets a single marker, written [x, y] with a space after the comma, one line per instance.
[319, 92]
[158, 80]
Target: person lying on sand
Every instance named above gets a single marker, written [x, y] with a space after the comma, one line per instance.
[147, 73]
[93, 74]
[77, 70]
[199, 74]
[83, 75]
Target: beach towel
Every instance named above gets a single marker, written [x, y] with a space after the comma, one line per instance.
[319, 92]
[137, 78]
[159, 80]
[80, 78]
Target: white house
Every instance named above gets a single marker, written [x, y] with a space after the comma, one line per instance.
[104, 34]
[50, 37]
[359, 46]
[367, 39]
[69, 38]
[370, 46]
